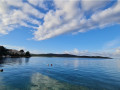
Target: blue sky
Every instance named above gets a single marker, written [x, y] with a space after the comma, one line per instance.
[82, 27]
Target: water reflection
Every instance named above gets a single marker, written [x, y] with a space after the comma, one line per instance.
[59, 74]
[27, 60]
[3, 86]
[76, 64]
[42, 82]
[9, 61]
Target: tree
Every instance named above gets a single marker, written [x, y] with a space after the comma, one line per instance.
[27, 54]
[22, 51]
[3, 51]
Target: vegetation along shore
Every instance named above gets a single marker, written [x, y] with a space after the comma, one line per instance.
[21, 53]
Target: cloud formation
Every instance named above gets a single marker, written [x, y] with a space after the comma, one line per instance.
[58, 17]
[114, 52]
[78, 16]
[16, 13]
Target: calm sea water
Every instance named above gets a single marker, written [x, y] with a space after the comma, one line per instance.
[37, 73]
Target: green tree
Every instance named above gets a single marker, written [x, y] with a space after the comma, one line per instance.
[22, 51]
[3, 51]
[27, 54]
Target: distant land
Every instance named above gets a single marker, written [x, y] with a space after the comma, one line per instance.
[21, 53]
[4, 52]
[67, 55]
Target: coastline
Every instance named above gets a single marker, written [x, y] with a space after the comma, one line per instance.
[68, 55]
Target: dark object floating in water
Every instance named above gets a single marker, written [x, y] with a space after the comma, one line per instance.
[1, 70]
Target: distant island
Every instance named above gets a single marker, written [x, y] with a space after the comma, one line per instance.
[15, 53]
[67, 55]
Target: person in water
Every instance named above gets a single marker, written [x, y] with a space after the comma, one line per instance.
[51, 65]
[1, 70]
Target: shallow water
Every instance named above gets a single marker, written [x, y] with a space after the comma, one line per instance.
[36, 73]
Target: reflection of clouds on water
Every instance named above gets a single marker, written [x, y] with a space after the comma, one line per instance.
[76, 64]
[72, 63]
[42, 82]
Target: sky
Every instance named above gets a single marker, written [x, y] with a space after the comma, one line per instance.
[80, 27]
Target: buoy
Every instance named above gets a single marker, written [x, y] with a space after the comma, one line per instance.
[51, 64]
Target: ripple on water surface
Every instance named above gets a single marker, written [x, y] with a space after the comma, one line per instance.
[64, 74]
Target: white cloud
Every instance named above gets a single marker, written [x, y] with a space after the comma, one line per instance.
[118, 50]
[70, 17]
[64, 19]
[17, 13]
[108, 16]
[114, 52]
[112, 43]
[66, 16]
[92, 5]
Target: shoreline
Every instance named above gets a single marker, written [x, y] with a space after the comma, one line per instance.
[57, 55]
[68, 55]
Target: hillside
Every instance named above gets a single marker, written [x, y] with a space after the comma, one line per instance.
[67, 55]
[13, 53]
